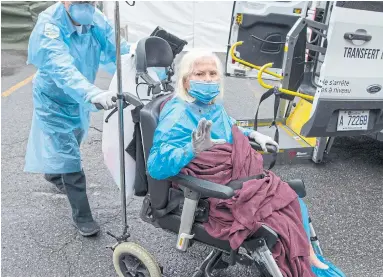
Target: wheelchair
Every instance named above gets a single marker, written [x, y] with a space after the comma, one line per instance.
[183, 211]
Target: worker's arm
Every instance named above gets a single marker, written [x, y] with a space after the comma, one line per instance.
[48, 52]
[107, 38]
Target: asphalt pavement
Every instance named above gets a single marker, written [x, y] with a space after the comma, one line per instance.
[345, 198]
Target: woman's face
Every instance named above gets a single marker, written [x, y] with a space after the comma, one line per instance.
[204, 70]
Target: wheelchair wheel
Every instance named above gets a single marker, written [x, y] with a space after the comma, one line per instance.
[132, 260]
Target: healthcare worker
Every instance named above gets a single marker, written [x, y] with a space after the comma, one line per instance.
[68, 44]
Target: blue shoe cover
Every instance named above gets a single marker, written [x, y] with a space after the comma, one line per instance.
[332, 270]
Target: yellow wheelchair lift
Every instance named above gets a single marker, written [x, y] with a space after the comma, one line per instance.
[293, 146]
[299, 115]
[247, 64]
[310, 113]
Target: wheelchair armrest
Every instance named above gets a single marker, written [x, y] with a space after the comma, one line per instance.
[298, 186]
[270, 148]
[205, 188]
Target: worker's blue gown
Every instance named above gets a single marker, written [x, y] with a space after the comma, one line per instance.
[67, 62]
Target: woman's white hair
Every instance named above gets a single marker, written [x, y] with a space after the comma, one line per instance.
[186, 67]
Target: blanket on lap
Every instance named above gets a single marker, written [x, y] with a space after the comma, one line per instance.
[268, 201]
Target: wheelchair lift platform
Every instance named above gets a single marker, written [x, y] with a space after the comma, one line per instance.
[294, 149]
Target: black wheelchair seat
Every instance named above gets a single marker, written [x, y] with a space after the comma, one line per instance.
[159, 189]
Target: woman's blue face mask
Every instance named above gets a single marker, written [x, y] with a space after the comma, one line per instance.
[82, 13]
[204, 92]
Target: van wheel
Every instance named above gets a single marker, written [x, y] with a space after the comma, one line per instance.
[132, 260]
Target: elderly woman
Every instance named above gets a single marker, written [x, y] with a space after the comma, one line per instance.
[195, 110]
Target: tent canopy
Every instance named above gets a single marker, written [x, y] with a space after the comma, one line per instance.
[203, 24]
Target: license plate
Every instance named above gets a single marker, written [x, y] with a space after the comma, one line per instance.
[353, 120]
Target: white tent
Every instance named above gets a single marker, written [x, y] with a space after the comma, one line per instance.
[203, 24]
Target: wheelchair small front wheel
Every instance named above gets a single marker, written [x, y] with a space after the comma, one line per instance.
[132, 260]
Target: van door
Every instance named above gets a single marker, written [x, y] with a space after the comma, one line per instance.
[350, 99]
[353, 62]
[262, 26]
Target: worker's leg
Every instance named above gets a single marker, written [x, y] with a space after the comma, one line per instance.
[56, 180]
[75, 185]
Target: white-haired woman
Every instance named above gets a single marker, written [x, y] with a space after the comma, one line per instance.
[197, 103]
[194, 120]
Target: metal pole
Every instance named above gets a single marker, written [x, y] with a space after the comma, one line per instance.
[120, 111]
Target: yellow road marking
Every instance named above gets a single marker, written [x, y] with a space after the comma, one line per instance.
[17, 86]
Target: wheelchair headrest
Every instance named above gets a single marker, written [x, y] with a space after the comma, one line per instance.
[175, 42]
[153, 52]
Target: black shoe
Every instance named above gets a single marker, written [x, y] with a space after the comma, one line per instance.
[88, 229]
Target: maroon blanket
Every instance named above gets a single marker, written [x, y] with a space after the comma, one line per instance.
[267, 201]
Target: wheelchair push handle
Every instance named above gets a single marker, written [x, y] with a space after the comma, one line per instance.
[100, 107]
[128, 99]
